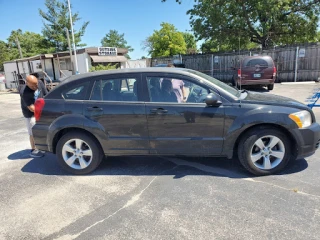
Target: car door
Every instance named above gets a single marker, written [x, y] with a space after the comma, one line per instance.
[116, 105]
[182, 127]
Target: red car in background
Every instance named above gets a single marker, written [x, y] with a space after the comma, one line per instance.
[256, 70]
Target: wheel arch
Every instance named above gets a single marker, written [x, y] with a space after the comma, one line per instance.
[64, 131]
[263, 126]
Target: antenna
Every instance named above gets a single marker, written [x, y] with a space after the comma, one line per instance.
[240, 62]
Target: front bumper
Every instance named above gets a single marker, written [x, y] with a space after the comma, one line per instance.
[308, 140]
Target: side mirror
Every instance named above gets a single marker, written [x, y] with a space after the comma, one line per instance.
[212, 99]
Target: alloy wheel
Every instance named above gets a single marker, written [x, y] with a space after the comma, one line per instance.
[77, 154]
[267, 152]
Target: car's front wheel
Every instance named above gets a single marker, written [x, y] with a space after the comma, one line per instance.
[78, 153]
[264, 151]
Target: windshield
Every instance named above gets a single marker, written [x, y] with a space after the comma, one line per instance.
[220, 84]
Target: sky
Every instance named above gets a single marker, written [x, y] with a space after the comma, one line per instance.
[137, 19]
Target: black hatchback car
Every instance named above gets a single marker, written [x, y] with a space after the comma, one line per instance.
[141, 112]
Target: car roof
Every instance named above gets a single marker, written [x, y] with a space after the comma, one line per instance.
[161, 65]
[266, 58]
[258, 56]
[128, 70]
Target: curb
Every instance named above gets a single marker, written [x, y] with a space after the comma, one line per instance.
[297, 83]
[8, 92]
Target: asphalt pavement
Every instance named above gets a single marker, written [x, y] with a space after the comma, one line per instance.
[152, 197]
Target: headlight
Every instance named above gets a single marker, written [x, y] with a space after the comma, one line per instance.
[302, 119]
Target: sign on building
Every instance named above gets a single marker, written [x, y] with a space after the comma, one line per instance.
[107, 51]
[302, 52]
[176, 59]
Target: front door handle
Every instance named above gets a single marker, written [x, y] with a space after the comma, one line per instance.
[159, 111]
[94, 109]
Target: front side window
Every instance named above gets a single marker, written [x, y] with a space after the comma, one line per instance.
[175, 90]
[115, 90]
[216, 82]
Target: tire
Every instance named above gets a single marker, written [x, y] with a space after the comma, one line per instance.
[270, 87]
[67, 149]
[249, 151]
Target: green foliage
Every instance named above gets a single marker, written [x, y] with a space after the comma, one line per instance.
[56, 20]
[165, 42]
[115, 39]
[31, 44]
[254, 22]
[216, 46]
[265, 22]
[4, 54]
[191, 42]
[101, 67]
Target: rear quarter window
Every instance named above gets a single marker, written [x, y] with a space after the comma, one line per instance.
[75, 91]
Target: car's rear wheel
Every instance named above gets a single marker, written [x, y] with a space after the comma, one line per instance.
[78, 153]
[270, 86]
[264, 151]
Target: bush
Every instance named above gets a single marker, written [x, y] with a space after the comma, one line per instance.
[101, 67]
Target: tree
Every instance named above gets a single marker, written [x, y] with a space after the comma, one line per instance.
[165, 42]
[31, 44]
[264, 22]
[56, 21]
[191, 43]
[102, 67]
[114, 39]
[215, 45]
[4, 54]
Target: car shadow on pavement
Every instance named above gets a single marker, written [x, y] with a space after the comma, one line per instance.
[178, 167]
[256, 88]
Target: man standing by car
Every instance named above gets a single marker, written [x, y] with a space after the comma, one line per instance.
[30, 92]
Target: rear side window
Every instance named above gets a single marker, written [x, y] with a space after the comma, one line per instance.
[255, 62]
[76, 92]
[124, 89]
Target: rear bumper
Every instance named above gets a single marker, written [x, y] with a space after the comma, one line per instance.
[256, 82]
[308, 140]
[39, 132]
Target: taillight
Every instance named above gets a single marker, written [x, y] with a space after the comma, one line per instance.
[38, 106]
[239, 73]
[274, 71]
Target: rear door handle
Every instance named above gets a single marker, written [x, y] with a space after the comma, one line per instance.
[95, 109]
[158, 110]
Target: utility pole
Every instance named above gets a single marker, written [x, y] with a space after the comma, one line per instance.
[19, 48]
[70, 51]
[20, 52]
[74, 44]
